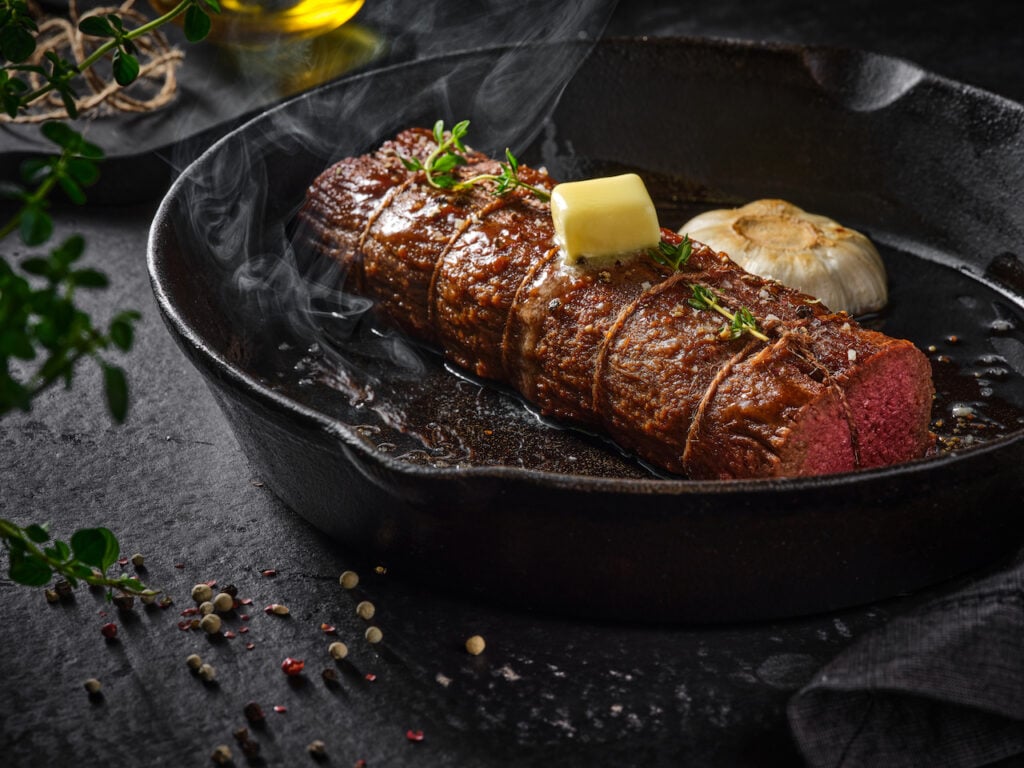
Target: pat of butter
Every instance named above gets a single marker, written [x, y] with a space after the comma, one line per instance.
[598, 218]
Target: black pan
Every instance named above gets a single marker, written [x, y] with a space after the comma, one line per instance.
[436, 475]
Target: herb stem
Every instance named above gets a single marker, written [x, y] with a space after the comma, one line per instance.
[110, 45]
[36, 197]
[539, 192]
[70, 568]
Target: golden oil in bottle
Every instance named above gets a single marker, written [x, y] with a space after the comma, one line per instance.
[252, 22]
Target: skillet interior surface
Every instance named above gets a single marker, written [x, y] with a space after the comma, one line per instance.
[376, 442]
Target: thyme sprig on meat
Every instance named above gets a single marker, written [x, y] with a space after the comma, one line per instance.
[672, 256]
[741, 321]
[450, 153]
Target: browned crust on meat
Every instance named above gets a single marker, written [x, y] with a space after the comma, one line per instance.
[618, 347]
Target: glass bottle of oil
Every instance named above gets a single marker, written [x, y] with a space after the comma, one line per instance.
[253, 21]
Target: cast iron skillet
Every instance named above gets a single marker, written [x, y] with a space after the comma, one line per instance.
[433, 474]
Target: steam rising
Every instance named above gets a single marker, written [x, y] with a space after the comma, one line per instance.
[242, 195]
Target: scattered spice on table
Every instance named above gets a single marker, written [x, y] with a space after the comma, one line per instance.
[366, 610]
[270, 572]
[223, 603]
[412, 735]
[93, 686]
[202, 593]
[475, 645]
[292, 667]
[221, 755]
[193, 661]
[210, 624]
[277, 609]
[374, 635]
[253, 712]
[109, 630]
[338, 650]
[317, 749]
[349, 579]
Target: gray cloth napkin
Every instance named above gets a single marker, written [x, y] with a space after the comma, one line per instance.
[939, 687]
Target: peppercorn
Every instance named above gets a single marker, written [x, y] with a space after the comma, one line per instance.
[51, 595]
[374, 635]
[109, 630]
[138, 560]
[231, 589]
[366, 610]
[207, 673]
[123, 602]
[206, 608]
[210, 624]
[292, 667]
[221, 755]
[148, 596]
[223, 602]
[63, 588]
[317, 749]
[93, 686]
[277, 609]
[475, 645]
[193, 662]
[338, 650]
[253, 712]
[202, 592]
[349, 579]
[330, 676]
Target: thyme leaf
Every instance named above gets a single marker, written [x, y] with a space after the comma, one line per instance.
[672, 256]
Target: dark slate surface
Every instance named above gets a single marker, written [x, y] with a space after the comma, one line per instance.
[547, 691]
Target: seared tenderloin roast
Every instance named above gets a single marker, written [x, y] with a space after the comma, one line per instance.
[618, 347]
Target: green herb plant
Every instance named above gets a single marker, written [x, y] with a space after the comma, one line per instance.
[36, 558]
[44, 333]
[450, 153]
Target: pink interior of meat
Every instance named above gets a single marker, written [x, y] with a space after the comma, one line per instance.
[890, 399]
[820, 441]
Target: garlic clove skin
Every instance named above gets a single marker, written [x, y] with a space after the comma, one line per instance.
[811, 253]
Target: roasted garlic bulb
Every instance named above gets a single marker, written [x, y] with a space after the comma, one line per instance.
[812, 253]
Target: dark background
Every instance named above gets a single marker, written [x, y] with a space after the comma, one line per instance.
[173, 485]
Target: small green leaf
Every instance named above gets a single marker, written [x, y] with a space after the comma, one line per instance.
[14, 342]
[89, 278]
[126, 68]
[122, 334]
[16, 43]
[72, 189]
[60, 134]
[97, 26]
[37, 266]
[83, 170]
[35, 226]
[59, 551]
[213, 5]
[69, 251]
[28, 570]
[37, 533]
[95, 547]
[67, 97]
[116, 385]
[197, 24]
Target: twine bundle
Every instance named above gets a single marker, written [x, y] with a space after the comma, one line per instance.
[155, 86]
